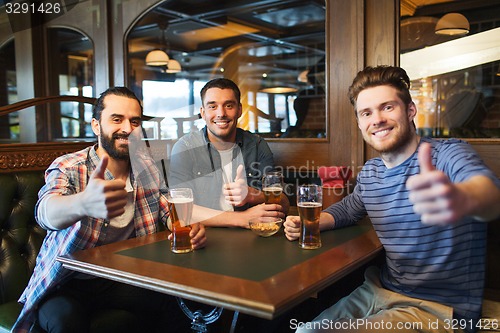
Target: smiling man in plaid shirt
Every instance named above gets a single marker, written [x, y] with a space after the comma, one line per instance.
[92, 197]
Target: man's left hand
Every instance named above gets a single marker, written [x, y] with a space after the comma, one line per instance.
[434, 196]
[236, 193]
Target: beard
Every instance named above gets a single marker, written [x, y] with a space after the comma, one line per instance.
[108, 143]
[401, 140]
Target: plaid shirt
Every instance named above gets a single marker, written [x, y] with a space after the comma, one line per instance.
[69, 174]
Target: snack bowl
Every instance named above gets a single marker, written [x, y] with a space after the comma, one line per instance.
[265, 226]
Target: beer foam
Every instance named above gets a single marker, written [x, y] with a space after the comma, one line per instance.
[273, 188]
[309, 204]
[180, 200]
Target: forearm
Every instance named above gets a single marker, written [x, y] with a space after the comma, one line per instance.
[326, 221]
[285, 203]
[60, 211]
[218, 218]
[254, 196]
[481, 198]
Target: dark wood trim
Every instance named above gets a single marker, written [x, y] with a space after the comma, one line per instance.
[34, 156]
[382, 41]
[5, 110]
[345, 32]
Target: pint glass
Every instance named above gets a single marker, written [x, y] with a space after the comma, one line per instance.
[272, 186]
[309, 204]
[180, 202]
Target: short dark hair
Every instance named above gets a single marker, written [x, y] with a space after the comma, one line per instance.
[117, 91]
[380, 76]
[221, 83]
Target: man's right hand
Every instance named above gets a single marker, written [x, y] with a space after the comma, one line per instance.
[260, 210]
[102, 198]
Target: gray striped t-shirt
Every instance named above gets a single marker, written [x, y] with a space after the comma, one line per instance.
[445, 264]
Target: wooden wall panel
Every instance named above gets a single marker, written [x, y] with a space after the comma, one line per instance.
[300, 153]
[489, 150]
[382, 39]
[345, 31]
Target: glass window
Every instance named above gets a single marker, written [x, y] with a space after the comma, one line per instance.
[9, 124]
[451, 51]
[71, 68]
[178, 46]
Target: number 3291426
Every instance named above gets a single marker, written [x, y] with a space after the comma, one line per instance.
[31, 7]
[483, 324]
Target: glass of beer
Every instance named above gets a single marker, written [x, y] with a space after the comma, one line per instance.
[180, 201]
[272, 186]
[309, 204]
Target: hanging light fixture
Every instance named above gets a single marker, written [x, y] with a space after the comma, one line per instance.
[452, 24]
[270, 84]
[173, 66]
[278, 81]
[159, 57]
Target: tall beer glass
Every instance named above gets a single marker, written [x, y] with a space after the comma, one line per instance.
[272, 186]
[180, 202]
[309, 203]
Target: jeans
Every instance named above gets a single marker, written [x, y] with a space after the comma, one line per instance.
[82, 305]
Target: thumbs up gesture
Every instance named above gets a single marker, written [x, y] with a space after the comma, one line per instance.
[432, 194]
[236, 192]
[102, 198]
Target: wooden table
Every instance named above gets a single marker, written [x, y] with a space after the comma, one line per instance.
[237, 270]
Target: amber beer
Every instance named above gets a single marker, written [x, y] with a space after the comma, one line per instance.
[272, 186]
[181, 210]
[272, 194]
[309, 225]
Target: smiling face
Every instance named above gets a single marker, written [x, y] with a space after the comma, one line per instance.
[386, 122]
[119, 118]
[221, 111]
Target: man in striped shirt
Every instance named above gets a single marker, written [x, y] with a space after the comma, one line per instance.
[428, 201]
[99, 195]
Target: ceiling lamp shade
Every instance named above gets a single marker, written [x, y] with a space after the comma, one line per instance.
[279, 90]
[452, 24]
[157, 58]
[271, 84]
[173, 66]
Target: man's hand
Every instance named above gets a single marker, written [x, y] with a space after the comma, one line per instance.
[236, 193]
[261, 210]
[102, 198]
[197, 235]
[433, 195]
[292, 227]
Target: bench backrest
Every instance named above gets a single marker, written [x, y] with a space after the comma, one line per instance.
[20, 236]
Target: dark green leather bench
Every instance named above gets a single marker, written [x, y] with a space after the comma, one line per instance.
[20, 239]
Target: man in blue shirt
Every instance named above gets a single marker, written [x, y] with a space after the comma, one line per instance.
[428, 201]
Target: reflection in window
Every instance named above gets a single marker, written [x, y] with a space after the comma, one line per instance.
[455, 78]
[258, 45]
[171, 101]
[9, 124]
[71, 62]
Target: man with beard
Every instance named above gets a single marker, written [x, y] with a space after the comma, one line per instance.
[428, 201]
[224, 164]
[96, 196]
